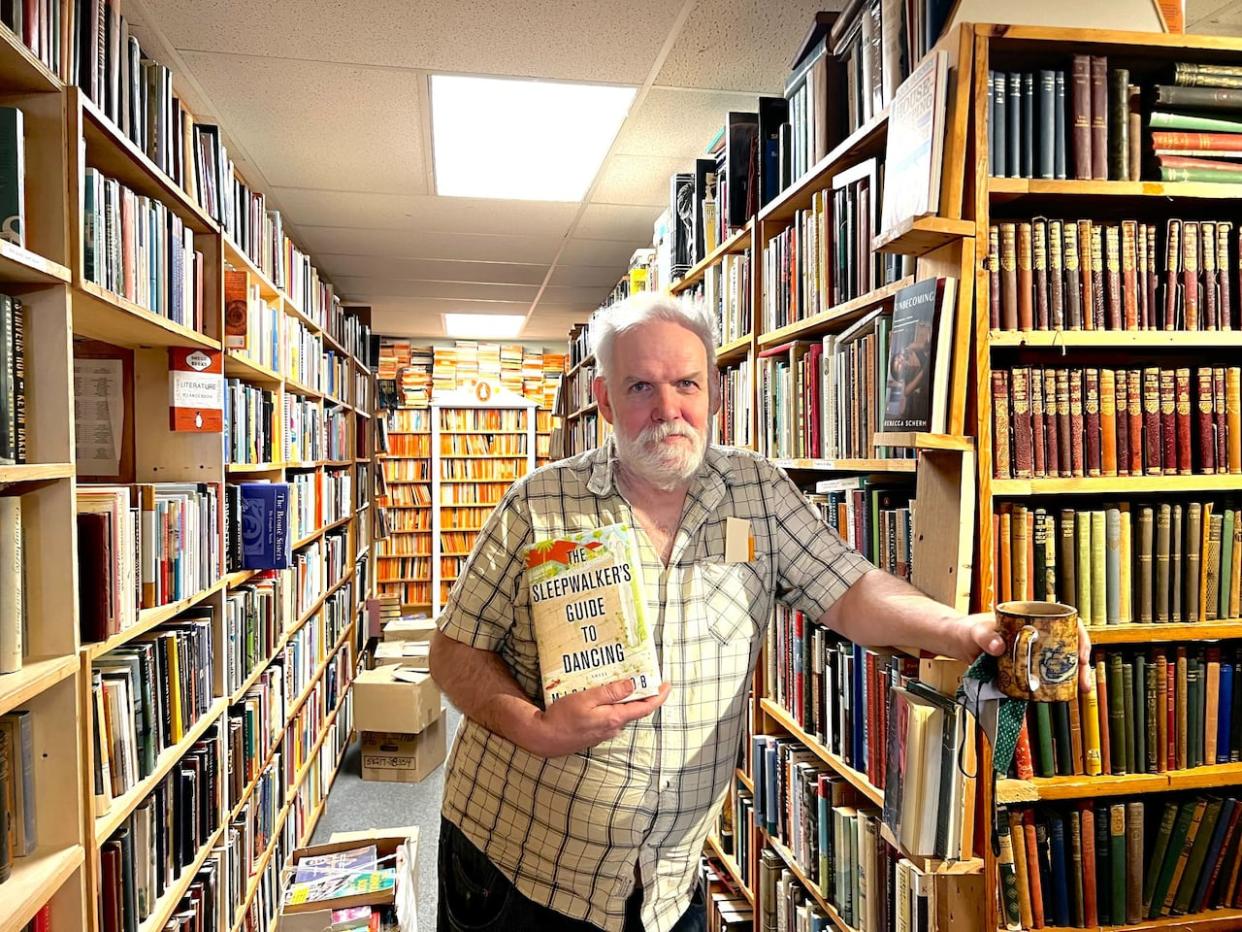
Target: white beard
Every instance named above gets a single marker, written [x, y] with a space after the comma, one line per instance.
[664, 466]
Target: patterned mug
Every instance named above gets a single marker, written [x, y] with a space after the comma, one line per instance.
[1040, 662]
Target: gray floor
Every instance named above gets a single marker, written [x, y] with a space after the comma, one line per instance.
[354, 805]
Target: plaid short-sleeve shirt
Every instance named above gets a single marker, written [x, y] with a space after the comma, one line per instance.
[568, 830]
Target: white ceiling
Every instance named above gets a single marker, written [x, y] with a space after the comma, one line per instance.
[1214, 17]
[324, 107]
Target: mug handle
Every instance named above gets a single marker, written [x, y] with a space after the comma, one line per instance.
[1024, 656]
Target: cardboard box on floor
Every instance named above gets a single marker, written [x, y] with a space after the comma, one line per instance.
[414, 654]
[410, 629]
[395, 699]
[307, 917]
[393, 757]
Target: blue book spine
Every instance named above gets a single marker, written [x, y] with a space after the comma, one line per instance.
[1224, 719]
[860, 710]
[1060, 877]
[1213, 854]
[769, 783]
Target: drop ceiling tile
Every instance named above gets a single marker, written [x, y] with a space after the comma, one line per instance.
[598, 252]
[328, 241]
[575, 295]
[672, 122]
[617, 222]
[427, 214]
[317, 124]
[551, 328]
[444, 270]
[450, 305]
[603, 42]
[363, 287]
[740, 45]
[637, 179]
[600, 275]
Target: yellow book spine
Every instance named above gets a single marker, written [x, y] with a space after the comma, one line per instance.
[1182, 729]
[1082, 521]
[174, 690]
[1099, 590]
[1235, 583]
[1006, 556]
[1126, 615]
[1233, 416]
[1020, 570]
[1203, 560]
[1091, 720]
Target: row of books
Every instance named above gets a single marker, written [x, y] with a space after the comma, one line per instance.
[14, 608]
[349, 330]
[1154, 710]
[727, 909]
[1124, 563]
[39, 27]
[478, 493]
[338, 439]
[472, 420]
[256, 615]
[163, 836]
[1197, 131]
[498, 469]
[409, 496]
[1117, 863]
[1104, 422]
[1051, 274]
[406, 470]
[875, 519]
[303, 436]
[304, 358]
[736, 403]
[252, 326]
[483, 444]
[139, 249]
[407, 420]
[250, 422]
[146, 696]
[142, 546]
[19, 827]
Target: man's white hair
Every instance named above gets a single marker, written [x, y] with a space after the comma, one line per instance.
[646, 306]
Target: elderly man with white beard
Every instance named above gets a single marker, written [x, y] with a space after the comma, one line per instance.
[591, 813]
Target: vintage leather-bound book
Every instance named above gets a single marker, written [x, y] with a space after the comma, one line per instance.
[1039, 265]
[1207, 422]
[1091, 420]
[1123, 423]
[1108, 422]
[1194, 549]
[1152, 446]
[1026, 319]
[1099, 311]
[1039, 462]
[1233, 417]
[1221, 407]
[1056, 276]
[1056, 464]
[1182, 387]
[1090, 914]
[1000, 424]
[994, 286]
[1129, 275]
[1175, 562]
[1080, 107]
[1146, 557]
[1064, 443]
[1153, 279]
[1086, 260]
[1140, 274]
[1112, 278]
[1172, 266]
[1076, 424]
[1164, 528]
[1099, 118]
[1119, 124]
[1009, 276]
[1134, 858]
[1020, 393]
[1134, 392]
[1190, 274]
[1073, 278]
[1168, 423]
[1224, 271]
[1207, 258]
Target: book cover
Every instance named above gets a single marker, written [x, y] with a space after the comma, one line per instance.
[587, 609]
[915, 143]
[920, 344]
[12, 176]
[196, 390]
[266, 540]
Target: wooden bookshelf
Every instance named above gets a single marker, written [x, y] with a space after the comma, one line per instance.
[835, 318]
[1005, 190]
[1117, 485]
[739, 242]
[713, 845]
[855, 778]
[1116, 339]
[848, 465]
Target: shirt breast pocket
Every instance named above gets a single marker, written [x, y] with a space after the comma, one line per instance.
[733, 600]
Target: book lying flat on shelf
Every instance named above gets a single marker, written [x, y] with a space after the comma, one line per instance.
[587, 605]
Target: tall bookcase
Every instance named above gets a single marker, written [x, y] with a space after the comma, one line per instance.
[68, 318]
[482, 439]
[1149, 58]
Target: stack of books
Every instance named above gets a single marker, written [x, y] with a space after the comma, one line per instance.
[1196, 124]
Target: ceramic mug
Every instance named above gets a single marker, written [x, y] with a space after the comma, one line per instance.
[1040, 662]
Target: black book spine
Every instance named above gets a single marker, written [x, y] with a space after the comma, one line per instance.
[992, 150]
[1028, 125]
[1060, 149]
[19, 381]
[1047, 124]
[1015, 125]
[1000, 123]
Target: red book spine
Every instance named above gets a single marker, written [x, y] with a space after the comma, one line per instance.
[1168, 422]
[1052, 452]
[1022, 754]
[1182, 378]
[1153, 448]
[1221, 408]
[1134, 393]
[1039, 461]
[1123, 424]
[1086, 815]
[798, 636]
[1032, 860]
[1170, 751]
[1020, 381]
[1207, 424]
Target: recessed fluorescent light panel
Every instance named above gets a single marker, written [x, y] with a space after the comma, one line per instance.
[521, 140]
[486, 326]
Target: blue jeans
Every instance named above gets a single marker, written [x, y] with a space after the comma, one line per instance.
[476, 897]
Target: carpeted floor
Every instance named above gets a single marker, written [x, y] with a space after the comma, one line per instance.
[354, 805]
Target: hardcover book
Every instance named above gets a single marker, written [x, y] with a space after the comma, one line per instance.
[920, 348]
[916, 143]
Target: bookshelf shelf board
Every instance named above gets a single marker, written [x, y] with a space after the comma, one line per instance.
[586, 360]
[105, 316]
[1165, 631]
[478, 433]
[294, 311]
[164, 907]
[734, 350]
[361, 413]
[1092, 485]
[866, 140]
[478, 456]
[923, 440]
[848, 465]
[299, 389]
[466, 505]
[1072, 39]
[35, 880]
[149, 618]
[337, 464]
[1084, 787]
[122, 806]
[303, 464]
[1010, 189]
[34, 472]
[112, 152]
[834, 318]
[736, 243]
[798, 871]
[36, 675]
[252, 467]
[585, 409]
[20, 68]
[921, 235]
[1120, 339]
[238, 259]
[21, 266]
[731, 866]
[746, 780]
[239, 578]
[856, 779]
[330, 341]
[238, 365]
[1217, 920]
[926, 865]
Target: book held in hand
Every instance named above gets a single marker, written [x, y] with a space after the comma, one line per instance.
[587, 606]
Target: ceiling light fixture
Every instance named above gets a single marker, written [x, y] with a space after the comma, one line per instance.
[488, 326]
[521, 140]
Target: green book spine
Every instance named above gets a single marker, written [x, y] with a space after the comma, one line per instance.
[1139, 722]
[1201, 173]
[1127, 681]
[1226, 563]
[1043, 737]
[1163, 120]
[1061, 733]
[1099, 585]
[1151, 701]
[1194, 864]
[1168, 867]
[1116, 714]
[1159, 852]
[1117, 861]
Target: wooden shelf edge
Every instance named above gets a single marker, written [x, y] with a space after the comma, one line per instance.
[164, 906]
[736, 243]
[827, 320]
[1085, 787]
[855, 778]
[923, 440]
[1121, 339]
[23, 266]
[731, 866]
[848, 465]
[114, 319]
[1096, 485]
[149, 618]
[37, 675]
[921, 235]
[733, 350]
[235, 255]
[35, 880]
